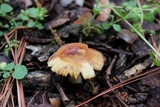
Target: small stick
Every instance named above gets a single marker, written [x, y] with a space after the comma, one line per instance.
[61, 92]
[153, 42]
[12, 31]
[32, 99]
[105, 47]
[108, 73]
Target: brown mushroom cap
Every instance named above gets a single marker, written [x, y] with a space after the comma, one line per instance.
[76, 58]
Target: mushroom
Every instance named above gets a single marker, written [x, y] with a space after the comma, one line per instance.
[75, 59]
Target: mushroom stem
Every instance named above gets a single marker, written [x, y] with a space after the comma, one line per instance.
[76, 81]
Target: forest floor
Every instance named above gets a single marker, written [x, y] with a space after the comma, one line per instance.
[32, 30]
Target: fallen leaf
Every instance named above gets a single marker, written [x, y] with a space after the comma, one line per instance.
[84, 19]
[104, 13]
[127, 36]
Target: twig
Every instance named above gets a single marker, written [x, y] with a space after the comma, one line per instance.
[20, 92]
[21, 50]
[108, 48]
[108, 73]
[61, 92]
[10, 34]
[6, 87]
[7, 94]
[109, 69]
[7, 39]
[7, 91]
[6, 42]
[4, 90]
[153, 42]
[12, 100]
[32, 99]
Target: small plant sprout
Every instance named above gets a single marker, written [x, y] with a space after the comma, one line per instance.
[14, 70]
[75, 59]
[3, 65]
[133, 14]
[30, 17]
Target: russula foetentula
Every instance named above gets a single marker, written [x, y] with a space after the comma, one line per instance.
[75, 59]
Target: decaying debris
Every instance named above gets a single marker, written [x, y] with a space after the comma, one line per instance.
[135, 70]
[34, 49]
[57, 22]
[127, 36]
[105, 12]
[69, 29]
[140, 48]
[37, 79]
[42, 52]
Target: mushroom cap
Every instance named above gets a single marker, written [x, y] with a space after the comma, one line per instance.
[76, 58]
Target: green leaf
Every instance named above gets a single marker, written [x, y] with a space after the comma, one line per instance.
[149, 16]
[33, 12]
[106, 25]
[145, 6]
[117, 27]
[138, 27]
[10, 66]
[31, 24]
[15, 24]
[128, 5]
[3, 65]
[134, 15]
[1, 33]
[121, 12]
[5, 8]
[6, 74]
[23, 17]
[153, 32]
[20, 71]
[6, 26]
[39, 25]
[97, 10]
[156, 62]
[41, 13]
[149, 0]
[97, 30]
